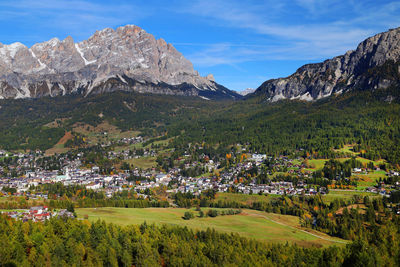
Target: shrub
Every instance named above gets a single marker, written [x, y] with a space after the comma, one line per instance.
[188, 215]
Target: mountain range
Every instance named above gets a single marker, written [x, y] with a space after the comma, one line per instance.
[130, 59]
[127, 59]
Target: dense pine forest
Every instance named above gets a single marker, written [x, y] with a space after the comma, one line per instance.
[362, 118]
[75, 243]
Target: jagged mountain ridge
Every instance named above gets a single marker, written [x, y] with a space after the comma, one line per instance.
[126, 59]
[375, 64]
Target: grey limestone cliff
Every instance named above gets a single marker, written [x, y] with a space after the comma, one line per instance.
[127, 59]
[368, 67]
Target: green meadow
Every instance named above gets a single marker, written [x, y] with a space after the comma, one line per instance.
[252, 224]
[345, 195]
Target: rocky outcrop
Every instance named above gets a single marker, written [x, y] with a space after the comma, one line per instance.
[127, 59]
[368, 67]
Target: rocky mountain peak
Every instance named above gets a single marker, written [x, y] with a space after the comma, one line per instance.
[353, 70]
[210, 77]
[127, 58]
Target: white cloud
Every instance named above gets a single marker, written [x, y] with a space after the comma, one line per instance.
[78, 18]
[312, 39]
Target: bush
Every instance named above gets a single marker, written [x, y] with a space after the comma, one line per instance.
[188, 215]
[212, 213]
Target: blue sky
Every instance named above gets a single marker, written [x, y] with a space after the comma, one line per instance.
[243, 43]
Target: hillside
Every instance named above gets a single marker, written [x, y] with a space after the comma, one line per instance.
[362, 118]
[40, 123]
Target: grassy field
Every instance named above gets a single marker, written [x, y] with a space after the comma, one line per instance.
[96, 134]
[140, 145]
[345, 195]
[347, 149]
[253, 224]
[143, 162]
[363, 180]
[57, 149]
[160, 142]
[367, 180]
[242, 198]
[317, 164]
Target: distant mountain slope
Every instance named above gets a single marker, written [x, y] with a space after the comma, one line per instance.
[246, 91]
[127, 59]
[374, 64]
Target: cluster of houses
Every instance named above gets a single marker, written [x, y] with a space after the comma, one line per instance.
[379, 190]
[110, 184]
[18, 164]
[90, 178]
[384, 189]
[293, 167]
[280, 188]
[226, 182]
[38, 214]
[130, 154]
[131, 140]
[71, 173]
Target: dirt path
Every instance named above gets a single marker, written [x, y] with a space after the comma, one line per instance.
[304, 231]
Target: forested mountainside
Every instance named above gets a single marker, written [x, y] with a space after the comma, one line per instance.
[365, 118]
[368, 119]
